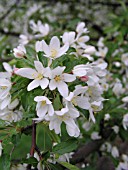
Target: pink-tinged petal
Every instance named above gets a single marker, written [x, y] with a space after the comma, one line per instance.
[69, 77]
[55, 43]
[50, 110]
[44, 83]
[63, 89]
[46, 49]
[39, 67]
[27, 72]
[52, 85]
[82, 102]
[34, 84]
[63, 50]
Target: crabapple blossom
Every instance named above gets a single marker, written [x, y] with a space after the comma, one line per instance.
[44, 105]
[39, 75]
[53, 50]
[20, 51]
[66, 115]
[58, 79]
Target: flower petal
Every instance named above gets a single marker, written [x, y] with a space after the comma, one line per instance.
[69, 77]
[33, 85]
[46, 48]
[63, 89]
[44, 83]
[63, 50]
[27, 72]
[52, 85]
[50, 110]
[55, 43]
[39, 67]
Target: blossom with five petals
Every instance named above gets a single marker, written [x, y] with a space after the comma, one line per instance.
[39, 75]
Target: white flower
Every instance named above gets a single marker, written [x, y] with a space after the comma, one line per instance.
[66, 115]
[23, 39]
[5, 102]
[5, 86]
[39, 46]
[68, 37]
[81, 28]
[44, 105]
[10, 115]
[125, 99]
[118, 88]
[79, 100]
[95, 136]
[1, 148]
[53, 50]
[116, 129]
[101, 52]
[58, 79]
[20, 51]
[43, 29]
[115, 152]
[125, 121]
[124, 58]
[107, 116]
[39, 75]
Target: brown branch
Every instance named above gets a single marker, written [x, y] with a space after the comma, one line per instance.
[16, 34]
[33, 139]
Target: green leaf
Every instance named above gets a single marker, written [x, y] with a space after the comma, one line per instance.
[44, 141]
[43, 59]
[57, 104]
[65, 147]
[33, 161]
[69, 166]
[5, 162]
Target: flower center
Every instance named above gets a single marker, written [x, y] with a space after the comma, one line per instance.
[3, 87]
[95, 108]
[57, 78]
[74, 101]
[43, 103]
[53, 53]
[80, 39]
[39, 77]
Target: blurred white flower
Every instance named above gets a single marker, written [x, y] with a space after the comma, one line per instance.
[115, 152]
[20, 51]
[125, 121]
[1, 148]
[95, 136]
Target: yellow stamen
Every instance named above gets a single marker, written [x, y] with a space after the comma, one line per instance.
[53, 53]
[57, 78]
[43, 103]
[3, 87]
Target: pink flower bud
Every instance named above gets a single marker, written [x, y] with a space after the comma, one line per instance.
[84, 78]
